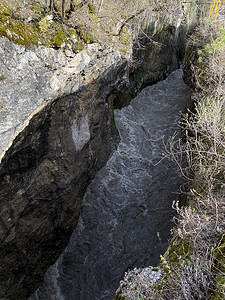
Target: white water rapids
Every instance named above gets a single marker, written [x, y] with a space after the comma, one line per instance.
[126, 213]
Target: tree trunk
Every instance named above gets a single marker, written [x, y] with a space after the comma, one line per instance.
[63, 9]
[51, 5]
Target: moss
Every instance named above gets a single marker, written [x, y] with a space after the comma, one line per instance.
[42, 31]
[125, 36]
[2, 78]
[124, 39]
[87, 36]
[44, 24]
[111, 98]
[123, 50]
[58, 38]
[91, 8]
[18, 32]
[6, 11]
[123, 14]
[51, 34]
[36, 8]
[72, 32]
[37, 12]
[179, 251]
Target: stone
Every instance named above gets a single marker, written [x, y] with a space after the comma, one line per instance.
[80, 132]
[137, 282]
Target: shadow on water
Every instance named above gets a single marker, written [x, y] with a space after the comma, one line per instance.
[126, 213]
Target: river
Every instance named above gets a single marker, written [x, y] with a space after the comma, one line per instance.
[127, 213]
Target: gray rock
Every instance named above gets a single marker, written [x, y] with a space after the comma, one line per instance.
[137, 282]
[33, 77]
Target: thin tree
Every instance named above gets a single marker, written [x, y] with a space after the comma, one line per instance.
[51, 5]
[63, 9]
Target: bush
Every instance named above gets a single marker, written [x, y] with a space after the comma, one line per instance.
[199, 273]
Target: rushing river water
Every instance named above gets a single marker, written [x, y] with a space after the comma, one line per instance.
[126, 214]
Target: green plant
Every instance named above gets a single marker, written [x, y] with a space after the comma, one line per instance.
[44, 24]
[6, 11]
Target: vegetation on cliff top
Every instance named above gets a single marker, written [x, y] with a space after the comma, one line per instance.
[71, 24]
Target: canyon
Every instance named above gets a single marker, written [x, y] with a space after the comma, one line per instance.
[58, 130]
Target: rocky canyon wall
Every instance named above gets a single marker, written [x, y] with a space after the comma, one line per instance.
[57, 130]
[55, 152]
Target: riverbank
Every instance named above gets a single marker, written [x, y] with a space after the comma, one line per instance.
[194, 264]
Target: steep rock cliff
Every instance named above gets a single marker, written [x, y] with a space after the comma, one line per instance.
[56, 147]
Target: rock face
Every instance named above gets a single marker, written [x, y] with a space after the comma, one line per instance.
[34, 77]
[160, 51]
[57, 129]
[59, 145]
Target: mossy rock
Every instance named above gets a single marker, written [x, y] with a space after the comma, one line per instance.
[125, 36]
[18, 31]
[86, 36]
[78, 46]
[45, 32]
[58, 38]
[42, 31]
[44, 24]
